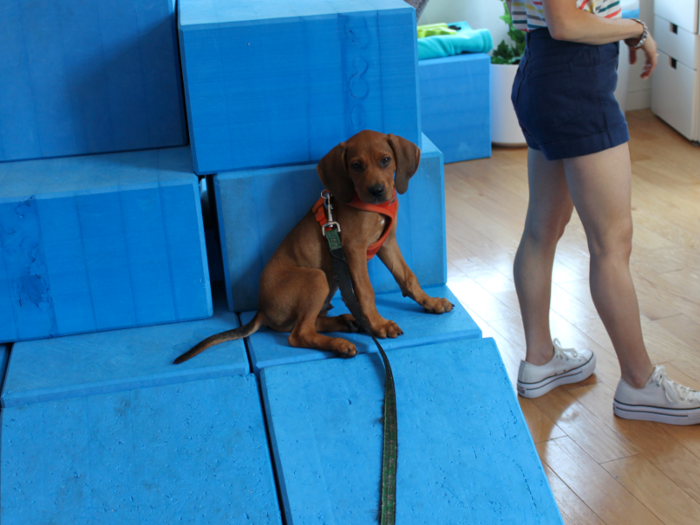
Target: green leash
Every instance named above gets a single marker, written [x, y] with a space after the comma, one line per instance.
[390, 446]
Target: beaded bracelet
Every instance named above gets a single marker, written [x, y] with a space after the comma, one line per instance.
[644, 36]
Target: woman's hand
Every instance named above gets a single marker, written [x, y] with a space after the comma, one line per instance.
[649, 49]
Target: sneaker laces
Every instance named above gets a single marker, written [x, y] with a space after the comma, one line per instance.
[672, 389]
[568, 354]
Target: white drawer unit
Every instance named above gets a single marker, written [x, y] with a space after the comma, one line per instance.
[683, 13]
[675, 84]
[677, 42]
[675, 96]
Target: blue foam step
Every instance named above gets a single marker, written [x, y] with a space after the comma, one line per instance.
[88, 76]
[455, 95]
[269, 348]
[189, 453]
[4, 357]
[465, 453]
[87, 364]
[278, 82]
[100, 242]
[257, 208]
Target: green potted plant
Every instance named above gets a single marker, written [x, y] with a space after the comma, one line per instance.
[505, 129]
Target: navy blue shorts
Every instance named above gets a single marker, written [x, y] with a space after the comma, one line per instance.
[563, 95]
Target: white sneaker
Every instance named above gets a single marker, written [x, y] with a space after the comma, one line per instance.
[566, 366]
[661, 400]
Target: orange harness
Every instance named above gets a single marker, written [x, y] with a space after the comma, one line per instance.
[389, 209]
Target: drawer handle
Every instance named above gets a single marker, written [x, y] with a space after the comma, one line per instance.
[674, 28]
[673, 62]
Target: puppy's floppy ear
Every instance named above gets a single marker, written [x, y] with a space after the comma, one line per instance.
[407, 158]
[334, 174]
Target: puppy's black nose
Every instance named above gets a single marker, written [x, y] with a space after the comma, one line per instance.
[376, 191]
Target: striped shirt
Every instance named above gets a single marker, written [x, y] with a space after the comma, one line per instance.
[529, 14]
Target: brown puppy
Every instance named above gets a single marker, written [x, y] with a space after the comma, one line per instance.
[297, 285]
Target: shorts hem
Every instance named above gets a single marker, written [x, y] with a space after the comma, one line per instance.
[586, 145]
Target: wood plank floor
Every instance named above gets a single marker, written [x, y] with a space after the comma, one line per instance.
[602, 469]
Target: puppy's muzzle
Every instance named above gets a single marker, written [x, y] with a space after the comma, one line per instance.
[378, 192]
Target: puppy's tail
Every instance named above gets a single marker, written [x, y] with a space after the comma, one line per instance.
[231, 335]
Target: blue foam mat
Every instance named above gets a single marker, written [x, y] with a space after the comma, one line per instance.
[311, 74]
[88, 76]
[100, 242]
[257, 209]
[193, 453]
[465, 453]
[455, 94]
[269, 348]
[80, 365]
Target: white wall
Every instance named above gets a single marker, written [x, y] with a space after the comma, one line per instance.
[479, 14]
[485, 13]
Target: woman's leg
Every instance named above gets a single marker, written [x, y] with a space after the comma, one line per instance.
[549, 210]
[600, 186]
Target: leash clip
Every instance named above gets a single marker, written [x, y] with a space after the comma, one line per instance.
[326, 196]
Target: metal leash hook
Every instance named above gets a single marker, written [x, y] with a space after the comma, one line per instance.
[326, 196]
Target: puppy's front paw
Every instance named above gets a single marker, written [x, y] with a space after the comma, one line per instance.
[387, 329]
[436, 305]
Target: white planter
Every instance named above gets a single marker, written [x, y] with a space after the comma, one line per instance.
[505, 130]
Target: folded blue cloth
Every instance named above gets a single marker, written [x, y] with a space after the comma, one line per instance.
[467, 40]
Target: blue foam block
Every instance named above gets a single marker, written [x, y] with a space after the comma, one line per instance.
[88, 76]
[278, 82]
[258, 208]
[455, 97]
[86, 364]
[465, 453]
[4, 357]
[100, 242]
[194, 453]
[268, 348]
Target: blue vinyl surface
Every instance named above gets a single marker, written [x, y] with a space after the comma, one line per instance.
[192, 453]
[86, 364]
[279, 82]
[88, 76]
[269, 348]
[465, 453]
[455, 95]
[257, 209]
[100, 242]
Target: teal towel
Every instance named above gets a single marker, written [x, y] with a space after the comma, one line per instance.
[467, 40]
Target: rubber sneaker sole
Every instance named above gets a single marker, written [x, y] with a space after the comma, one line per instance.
[669, 416]
[575, 375]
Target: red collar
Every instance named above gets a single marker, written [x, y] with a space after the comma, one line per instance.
[389, 208]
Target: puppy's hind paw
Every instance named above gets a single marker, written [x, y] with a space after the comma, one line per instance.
[351, 324]
[343, 348]
[437, 305]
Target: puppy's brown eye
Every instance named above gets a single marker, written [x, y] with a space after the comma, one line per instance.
[385, 161]
[357, 166]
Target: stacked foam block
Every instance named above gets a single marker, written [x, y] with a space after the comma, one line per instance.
[105, 277]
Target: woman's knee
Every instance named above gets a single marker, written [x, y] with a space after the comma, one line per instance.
[549, 229]
[614, 241]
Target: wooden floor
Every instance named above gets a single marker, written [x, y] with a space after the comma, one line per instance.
[601, 469]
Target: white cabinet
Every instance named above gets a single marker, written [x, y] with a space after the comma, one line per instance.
[675, 95]
[684, 13]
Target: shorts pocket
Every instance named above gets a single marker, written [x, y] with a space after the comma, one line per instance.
[552, 93]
